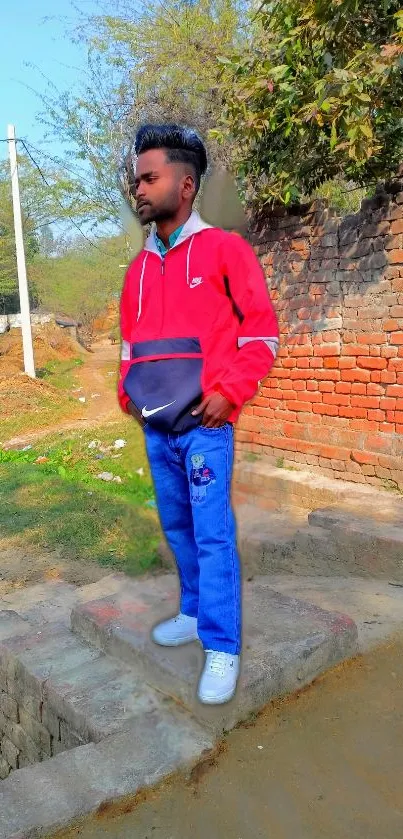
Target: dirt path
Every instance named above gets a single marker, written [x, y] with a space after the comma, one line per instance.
[326, 764]
[101, 403]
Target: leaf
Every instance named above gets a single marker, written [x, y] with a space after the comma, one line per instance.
[366, 129]
[333, 136]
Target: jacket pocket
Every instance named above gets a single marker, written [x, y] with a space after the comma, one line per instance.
[164, 382]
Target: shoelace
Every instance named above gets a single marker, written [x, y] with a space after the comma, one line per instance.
[217, 662]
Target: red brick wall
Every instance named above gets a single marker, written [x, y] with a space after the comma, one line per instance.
[334, 399]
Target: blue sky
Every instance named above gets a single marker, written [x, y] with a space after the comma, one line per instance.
[28, 39]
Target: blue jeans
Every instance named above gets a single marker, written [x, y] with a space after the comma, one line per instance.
[192, 475]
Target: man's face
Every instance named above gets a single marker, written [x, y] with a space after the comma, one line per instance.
[161, 187]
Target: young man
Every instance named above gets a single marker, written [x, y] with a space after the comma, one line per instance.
[198, 334]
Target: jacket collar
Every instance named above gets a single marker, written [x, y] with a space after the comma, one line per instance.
[194, 224]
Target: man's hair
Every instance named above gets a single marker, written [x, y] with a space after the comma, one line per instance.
[182, 145]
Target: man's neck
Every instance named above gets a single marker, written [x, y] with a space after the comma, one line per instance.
[166, 228]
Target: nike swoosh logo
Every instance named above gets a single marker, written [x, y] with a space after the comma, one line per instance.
[153, 411]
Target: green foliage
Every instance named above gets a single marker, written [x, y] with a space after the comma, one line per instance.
[43, 199]
[317, 95]
[80, 282]
[342, 196]
[151, 62]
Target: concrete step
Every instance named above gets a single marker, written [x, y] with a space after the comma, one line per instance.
[376, 606]
[331, 542]
[287, 643]
[53, 600]
[272, 488]
[374, 548]
[93, 694]
[42, 799]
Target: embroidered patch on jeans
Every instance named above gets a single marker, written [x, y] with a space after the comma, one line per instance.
[201, 476]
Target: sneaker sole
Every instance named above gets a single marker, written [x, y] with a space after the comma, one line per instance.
[217, 701]
[178, 643]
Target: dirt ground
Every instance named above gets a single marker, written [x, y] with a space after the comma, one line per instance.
[325, 764]
[99, 369]
[24, 567]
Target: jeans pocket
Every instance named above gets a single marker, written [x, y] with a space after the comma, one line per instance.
[222, 428]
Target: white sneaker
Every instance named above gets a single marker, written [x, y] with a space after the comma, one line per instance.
[176, 631]
[219, 678]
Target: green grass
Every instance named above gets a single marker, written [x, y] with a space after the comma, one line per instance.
[29, 409]
[59, 502]
[61, 374]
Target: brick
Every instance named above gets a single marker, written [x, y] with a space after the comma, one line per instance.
[16, 733]
[327, 350]
[336, 399]
[4, 769]
[359, 388]
[389, 352]
[363, 425]
[343, 387]
[329, 410]
[365, 401]
[57, 747]
[356, 376]
[387, 404]
[397, 226]
[9, 707]
[10, 752]
[356, 349]
[392, 242]
[369, 363]
[346, 363]
[364, 457]
[388, 377]
[352, 413]
[378, 415]
[391, 325]
[376, 442]
[302, 352]
[298, 406]
[310, 396]
[396, 337]
[375, 389]
[327, 375]
[331, 363]
[394, 390]
[395, 256]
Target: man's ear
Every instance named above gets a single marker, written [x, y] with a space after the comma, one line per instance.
[189, 187]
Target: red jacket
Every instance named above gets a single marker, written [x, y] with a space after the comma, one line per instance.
[195, 321]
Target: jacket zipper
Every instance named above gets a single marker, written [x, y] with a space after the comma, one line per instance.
[163, 294]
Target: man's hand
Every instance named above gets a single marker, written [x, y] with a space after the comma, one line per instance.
[215, 409]
[136, 414]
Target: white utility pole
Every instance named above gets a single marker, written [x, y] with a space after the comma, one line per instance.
[29, 364]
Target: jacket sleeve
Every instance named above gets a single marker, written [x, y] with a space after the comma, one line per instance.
[258, 335]
[125, 331]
